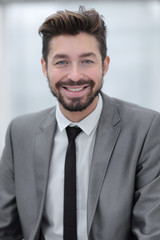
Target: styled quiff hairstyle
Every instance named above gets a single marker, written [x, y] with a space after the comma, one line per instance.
[73, 23]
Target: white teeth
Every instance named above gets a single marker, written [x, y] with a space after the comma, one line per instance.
[74, 89]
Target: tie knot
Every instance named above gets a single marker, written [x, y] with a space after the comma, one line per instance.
[72, 132]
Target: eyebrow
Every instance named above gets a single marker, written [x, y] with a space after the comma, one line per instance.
[89, 54]
[58, 56]
[61, 56]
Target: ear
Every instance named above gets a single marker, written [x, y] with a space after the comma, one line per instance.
[106, 65]
[44, 67]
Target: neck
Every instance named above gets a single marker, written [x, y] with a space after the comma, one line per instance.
[78, 116]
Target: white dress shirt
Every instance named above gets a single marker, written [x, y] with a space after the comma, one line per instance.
[52, 226]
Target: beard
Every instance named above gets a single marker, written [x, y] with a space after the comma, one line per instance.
[76, 104]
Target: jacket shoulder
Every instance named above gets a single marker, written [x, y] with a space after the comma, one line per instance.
[130, 113]
[133, 111]
[32, 120]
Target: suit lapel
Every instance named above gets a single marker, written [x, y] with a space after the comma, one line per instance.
[43, 151]
[107, 135]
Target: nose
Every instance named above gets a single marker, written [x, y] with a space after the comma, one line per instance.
[75, 73]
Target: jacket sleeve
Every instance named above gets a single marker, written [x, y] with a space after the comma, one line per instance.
[10, 228]
[146, 211]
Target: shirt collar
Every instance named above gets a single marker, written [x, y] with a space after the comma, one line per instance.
[87, 124]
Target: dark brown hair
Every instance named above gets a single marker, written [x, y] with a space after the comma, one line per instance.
[72, 23]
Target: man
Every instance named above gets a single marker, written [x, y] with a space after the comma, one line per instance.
[117, 178]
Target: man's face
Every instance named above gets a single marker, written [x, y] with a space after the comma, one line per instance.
[75, 70]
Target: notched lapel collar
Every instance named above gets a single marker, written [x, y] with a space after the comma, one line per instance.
[107, 135]
[43, 151]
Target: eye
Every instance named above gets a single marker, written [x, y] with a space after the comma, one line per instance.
[62, 63]
[87, 61]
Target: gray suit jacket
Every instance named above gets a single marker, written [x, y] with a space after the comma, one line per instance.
[124, 186]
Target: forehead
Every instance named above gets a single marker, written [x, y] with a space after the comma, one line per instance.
[74, 45]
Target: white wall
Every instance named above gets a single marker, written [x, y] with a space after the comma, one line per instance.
[133, 43]
[5, 106]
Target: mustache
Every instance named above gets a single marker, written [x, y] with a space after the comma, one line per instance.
[70, 82]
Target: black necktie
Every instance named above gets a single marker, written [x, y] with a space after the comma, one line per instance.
[70, 200]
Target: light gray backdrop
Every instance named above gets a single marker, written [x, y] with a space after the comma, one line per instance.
[133, 46]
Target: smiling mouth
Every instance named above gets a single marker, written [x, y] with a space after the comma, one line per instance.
[75, 89]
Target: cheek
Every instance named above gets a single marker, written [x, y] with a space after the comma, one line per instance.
[54, 77]
[96, 76]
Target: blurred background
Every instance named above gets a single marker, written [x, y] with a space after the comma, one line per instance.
[133, 46]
